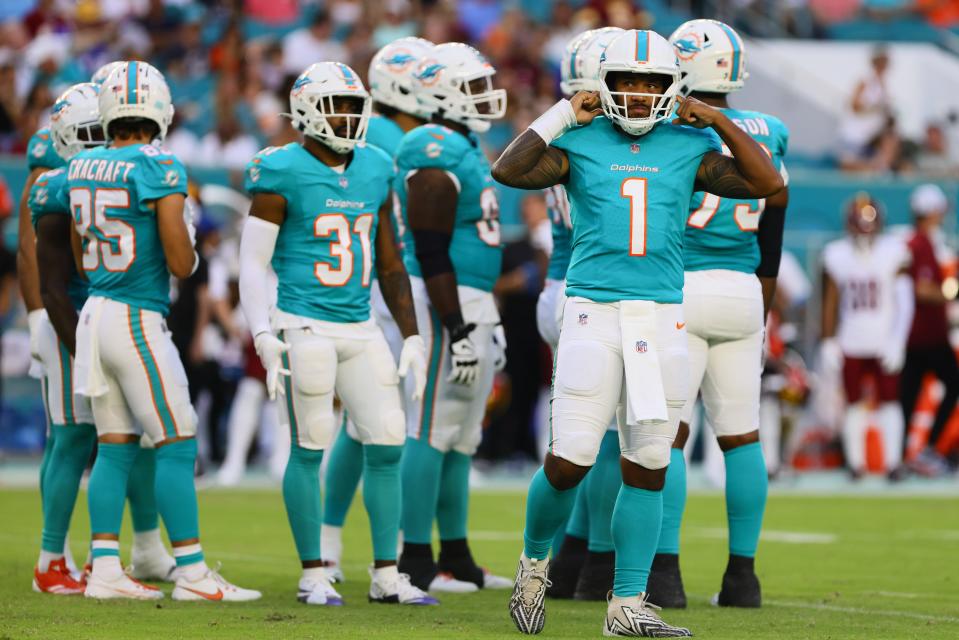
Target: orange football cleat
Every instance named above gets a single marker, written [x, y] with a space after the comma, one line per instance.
[56, 580]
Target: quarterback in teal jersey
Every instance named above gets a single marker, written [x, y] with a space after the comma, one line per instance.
[582, 562]
[732, 256]
[622, 348]
[321, 216]
[130, 235]
[451, 245]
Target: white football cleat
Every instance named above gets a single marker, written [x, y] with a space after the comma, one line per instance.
[637, 618]
[319, 592]
[123, 586]
[391, 587]
[491, 581]
[446, 583]
[334, 571]
[211, 586]
[155, 564]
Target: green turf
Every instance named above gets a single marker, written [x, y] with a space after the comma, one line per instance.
[850, 567]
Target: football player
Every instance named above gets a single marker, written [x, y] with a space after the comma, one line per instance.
[452, 249]
[622, 349]
[582, 565]
[130, 235]
[732, 252]
[867, 308]
[321, 215]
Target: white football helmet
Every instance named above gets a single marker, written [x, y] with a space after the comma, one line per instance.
[75, 120]
[311, 104]
[391, 75]
[639, 52]
[711, 55]
[442, 83]
[101, 74]
[136, 89]
[580, 69]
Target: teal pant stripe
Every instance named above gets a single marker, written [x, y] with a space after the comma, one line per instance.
[66, 373]
[103, 553]
[288, 386]
[193, 558]
[436, 359]
[153, 374]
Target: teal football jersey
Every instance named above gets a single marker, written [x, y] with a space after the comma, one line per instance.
[48, 196]
[110, 193]
[385, 134]
[324, 256]
[629, 198]
[475, 248]
[558, 205]
[721, 232]
[40, 151]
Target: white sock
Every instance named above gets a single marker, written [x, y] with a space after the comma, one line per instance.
[891, 422]
[145, 542]
[107, 567]
[195, 570]
[331, 542]
[46, 557]
[68, 556]
[854, 436]
[388, 574]
[314, 574]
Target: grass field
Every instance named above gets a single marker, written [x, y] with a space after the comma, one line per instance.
[831, 567]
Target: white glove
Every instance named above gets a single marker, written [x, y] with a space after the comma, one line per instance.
[463, 354]
[35, 320]
[830, 355]
[413, 361]
[189, 218]
[893, 358]
[270, 349]
[499, 348]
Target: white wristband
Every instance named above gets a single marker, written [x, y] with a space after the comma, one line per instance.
[557, 120]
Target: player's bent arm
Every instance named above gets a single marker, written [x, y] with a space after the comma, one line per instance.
[770, 239]
[830, 306]
[529, 163]
[76, 244]
[27, 274]
[431, 208]
[257, 243]
[181, 258]
[394, 281]
[56, 267]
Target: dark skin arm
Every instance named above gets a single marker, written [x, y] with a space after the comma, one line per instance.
[775, 208]
[27, 272]
[76, 244]
[394, 281]
[431, 207]
[830, 306]
[56, 267]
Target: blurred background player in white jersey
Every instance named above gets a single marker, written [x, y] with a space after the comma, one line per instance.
[867, 313]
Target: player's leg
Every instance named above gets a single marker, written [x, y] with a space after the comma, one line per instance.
[154, 386]
[241, 428]
[343, 472]
[601, 487]
[946, 368]
[148, 556]
[569, 549]
[367, 382]
[891, 424]
[587, 385]
[857, 416]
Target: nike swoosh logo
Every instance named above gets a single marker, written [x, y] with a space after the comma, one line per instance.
[209, 596]
[680, 325]
[437, 136]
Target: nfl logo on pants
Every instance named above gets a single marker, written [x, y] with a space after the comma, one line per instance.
[641, 346]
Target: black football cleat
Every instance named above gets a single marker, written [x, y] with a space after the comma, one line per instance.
[596, 578]
[665, 586]
[740, 585]
[564, 569]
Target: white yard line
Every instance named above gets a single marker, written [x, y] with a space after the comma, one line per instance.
[889, 613]
[771, 535]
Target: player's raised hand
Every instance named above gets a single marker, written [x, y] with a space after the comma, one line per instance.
[586, 106]
[696, 114]
[413, 361]
[271, 350]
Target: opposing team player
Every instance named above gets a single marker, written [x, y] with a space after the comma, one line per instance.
[127, 202]
[867, 308]
[396, 110]
[582, 566]
[732, 251]
[622, 349]
[321, 215]
[452, 250]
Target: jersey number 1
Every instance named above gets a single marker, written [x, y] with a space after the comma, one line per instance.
[340, 248]
[635, 190]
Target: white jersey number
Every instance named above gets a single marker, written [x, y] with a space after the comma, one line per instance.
[115, 246]
[341, 248]
[488, 226]
[635, 190]
[746, 218]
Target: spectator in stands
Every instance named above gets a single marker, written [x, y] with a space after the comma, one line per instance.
[866, 133]
[932, 157]
[305, 46]
[227, 146]
[929, 349]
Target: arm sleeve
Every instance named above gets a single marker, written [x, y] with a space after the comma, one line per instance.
[770, 239]
[256, 251]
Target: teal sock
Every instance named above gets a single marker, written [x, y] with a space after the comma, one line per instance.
[45, 460]
[546, 509]
[71, 452]
[746, 487]
[301, 495]
[674, 503]
[602, 487]
[141, 491]
[175, 490]
[558, 538]
[453, 502]
[636, 521]
[381, 496]
[106, 491]
[578, 523]
[343, 471]
[421, 469]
